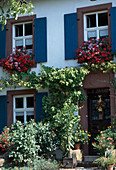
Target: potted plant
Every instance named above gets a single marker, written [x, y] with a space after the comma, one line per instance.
[20, 60]
[104, 141]
[80, 136]
[94, 51]
[101, 162]
[104, 162]
[110, 161]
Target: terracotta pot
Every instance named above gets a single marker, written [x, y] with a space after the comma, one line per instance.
[110, 167]
[77, 146]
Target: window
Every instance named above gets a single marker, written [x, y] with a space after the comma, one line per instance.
[95, 25]
[23, 108]
[93, 21]
[23, 35]
[20, 33]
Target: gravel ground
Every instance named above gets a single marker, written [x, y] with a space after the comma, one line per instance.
[81, 168]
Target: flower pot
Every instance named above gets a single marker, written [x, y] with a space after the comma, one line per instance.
[77, 146]
[110, 167]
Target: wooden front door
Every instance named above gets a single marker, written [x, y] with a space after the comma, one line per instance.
[99, 117]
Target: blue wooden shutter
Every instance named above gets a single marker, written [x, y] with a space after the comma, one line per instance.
[40, 40]
[2, 42]
[39, 106]
[113, 28]
[70, 32]
[3, 112]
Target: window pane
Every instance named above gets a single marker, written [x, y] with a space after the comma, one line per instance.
[20, 117]
[103, 19]
[18, 30]
[19, 102]
[91, 34]
[28, 29]
[29, 117]
[19, 43]
[28, 41]
[29, 48]
[30, 102]
[91, 20]
[103, 33]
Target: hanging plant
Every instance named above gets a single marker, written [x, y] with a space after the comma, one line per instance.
[18, 61]
[94, 51]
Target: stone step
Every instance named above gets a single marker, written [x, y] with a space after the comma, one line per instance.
[2, 161]
[87, 164]
[90, 158]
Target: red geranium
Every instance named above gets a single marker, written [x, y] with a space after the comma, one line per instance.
[94, 51]
[4, 140]
[19, 61]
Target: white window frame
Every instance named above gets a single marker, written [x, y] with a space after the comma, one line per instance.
[97, 29]
[24, 110]
[21, 37]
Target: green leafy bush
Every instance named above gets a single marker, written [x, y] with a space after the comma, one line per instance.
[46, 138]
[63, 123]
[43, 164]
[25, 147]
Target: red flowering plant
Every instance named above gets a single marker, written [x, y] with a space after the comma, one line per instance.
[4, 140]
[94, 51]
[18, 61]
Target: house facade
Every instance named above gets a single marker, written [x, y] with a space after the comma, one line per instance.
[55, 30]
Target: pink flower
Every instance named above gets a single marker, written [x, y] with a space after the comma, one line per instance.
[102, 137]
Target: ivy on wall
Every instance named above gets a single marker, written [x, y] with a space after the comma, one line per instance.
[65, 91]
[64, 84]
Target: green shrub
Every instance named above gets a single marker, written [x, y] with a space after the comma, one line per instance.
[46, 138]
[25, 147]
[43, 164]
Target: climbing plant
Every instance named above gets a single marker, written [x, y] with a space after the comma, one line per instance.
[65, 91]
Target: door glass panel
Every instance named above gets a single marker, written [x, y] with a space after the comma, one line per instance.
[95, 115]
